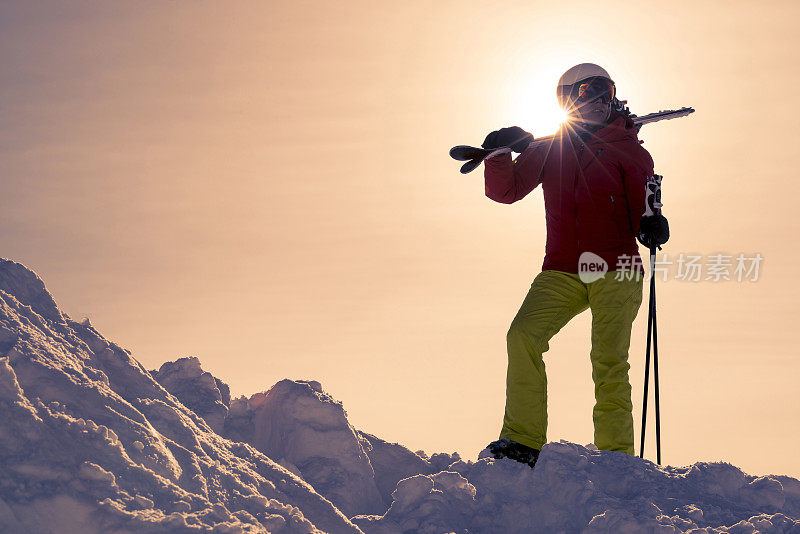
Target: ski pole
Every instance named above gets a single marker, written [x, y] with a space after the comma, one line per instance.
[647, 357]
[652, 334]
[655, 359]
[652, 207]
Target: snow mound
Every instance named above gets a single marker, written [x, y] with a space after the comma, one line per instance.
[580, 489]
[28, 289]
[307, 431]
[90, 442]
[392, 463]
[196, 389]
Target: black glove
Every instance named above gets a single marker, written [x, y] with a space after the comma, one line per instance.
[514, 137]
[653, 231]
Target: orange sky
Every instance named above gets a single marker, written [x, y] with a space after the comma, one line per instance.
[267, 187]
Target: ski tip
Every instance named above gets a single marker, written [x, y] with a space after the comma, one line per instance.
[458, 148]
[471, 165]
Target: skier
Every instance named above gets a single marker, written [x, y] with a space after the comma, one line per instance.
[593, 176]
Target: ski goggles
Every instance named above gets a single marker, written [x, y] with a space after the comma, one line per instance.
[589, 90]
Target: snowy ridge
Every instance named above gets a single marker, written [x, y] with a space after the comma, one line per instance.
[199, 391]
[91, 442]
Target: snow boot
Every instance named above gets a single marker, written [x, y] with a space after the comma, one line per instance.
[505, 448]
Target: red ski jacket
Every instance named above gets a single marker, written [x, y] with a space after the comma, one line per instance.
[594, 192]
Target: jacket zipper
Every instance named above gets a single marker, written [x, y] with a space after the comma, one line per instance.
[575, 194]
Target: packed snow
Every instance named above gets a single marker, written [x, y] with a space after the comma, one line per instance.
[91, 442]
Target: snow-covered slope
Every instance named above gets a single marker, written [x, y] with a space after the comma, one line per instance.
[91, 442]
[305, 430]
[302, 427]
[580, 489]
[198, 390]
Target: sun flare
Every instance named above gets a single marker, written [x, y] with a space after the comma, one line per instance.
[536, 109]
[532, 102]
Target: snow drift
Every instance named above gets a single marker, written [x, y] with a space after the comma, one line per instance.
[91, 442]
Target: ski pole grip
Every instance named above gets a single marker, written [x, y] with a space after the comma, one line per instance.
[653, 198]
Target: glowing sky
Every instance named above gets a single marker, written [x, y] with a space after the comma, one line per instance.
[265, 185]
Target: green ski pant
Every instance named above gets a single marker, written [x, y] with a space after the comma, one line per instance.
[556, 297]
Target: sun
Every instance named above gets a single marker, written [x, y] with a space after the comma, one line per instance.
[535, 108]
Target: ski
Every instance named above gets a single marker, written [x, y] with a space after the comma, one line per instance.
[474, 156]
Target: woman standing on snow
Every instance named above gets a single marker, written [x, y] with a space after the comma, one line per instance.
[593, 176]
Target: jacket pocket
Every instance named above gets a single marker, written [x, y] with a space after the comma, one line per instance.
[619, 212]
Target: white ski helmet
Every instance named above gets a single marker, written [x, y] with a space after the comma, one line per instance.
[576, 74]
